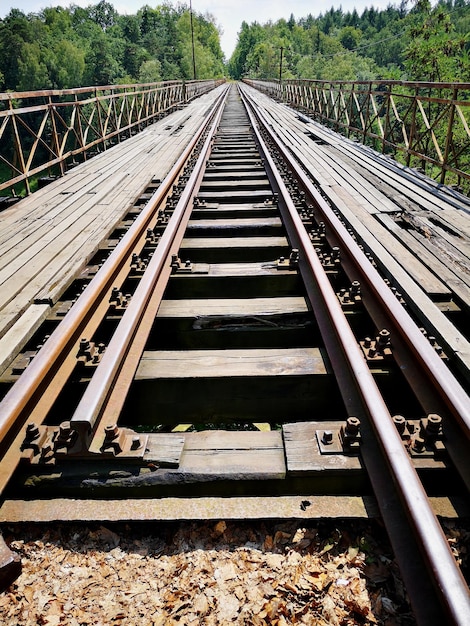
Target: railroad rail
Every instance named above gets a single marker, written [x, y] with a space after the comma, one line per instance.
[235, 338]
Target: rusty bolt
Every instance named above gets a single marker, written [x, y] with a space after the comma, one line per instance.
[135, 445]
[327, 437]
[111, 432]
[84, 345]
[32, 432]
[64, 430]
[335, 253]
[383, 338]
[355, 288]
[433, 425]
[294, 257]
[418, 444]
[115, 295]
[400, 423]
[352, 426]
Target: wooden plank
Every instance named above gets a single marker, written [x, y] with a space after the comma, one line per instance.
[233, 242]
[385, 245]
[165, 449]
[376, 168]
[200, 508]
[232, 385]
[418, 301]
[242, 323]
[459, 283]
[303, 455]
[42, 229]
[230, 363]
[235, 223]
[232, 307]
[13, 339]
[234, 455]
[338, 172]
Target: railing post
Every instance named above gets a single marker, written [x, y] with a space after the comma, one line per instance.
[412, 127]
[449, 136]
[55, 135]
[387, 118]
[19, 150]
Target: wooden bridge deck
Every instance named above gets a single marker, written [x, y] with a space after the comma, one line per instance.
[47, 237]
[419, 233]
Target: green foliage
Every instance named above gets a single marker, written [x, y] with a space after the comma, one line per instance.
[435, 52]
[75, 46]
[394, 43]
[71, 47]
[150, 71]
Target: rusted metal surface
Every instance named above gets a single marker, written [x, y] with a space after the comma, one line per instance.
[99, 389]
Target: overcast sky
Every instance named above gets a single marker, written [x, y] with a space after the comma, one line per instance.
[229, 14]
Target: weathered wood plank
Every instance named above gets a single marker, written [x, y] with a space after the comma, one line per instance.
[230, 363]
[252, 385]
[235, 307]
[234, 455]
[303, 454]
[200, 508]
[384, 245]
[457, 281]
[39, 247]
[14, 337]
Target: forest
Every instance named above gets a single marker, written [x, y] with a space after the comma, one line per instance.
[60, 48]
[426, 42]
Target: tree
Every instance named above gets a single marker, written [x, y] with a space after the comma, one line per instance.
[70, 67]
[150, 71]
[350, 37]
[102, 64]
[32, 71]
[435, 49]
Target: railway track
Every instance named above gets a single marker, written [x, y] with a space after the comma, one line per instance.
[232, 343]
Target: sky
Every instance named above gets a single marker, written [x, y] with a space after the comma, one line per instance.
[229, 14]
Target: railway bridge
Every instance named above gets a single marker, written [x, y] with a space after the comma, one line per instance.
[238, 313]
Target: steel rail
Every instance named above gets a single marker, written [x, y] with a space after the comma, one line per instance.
[456, 397]
[442, 382]
[40, 373]
[450, 586]
[98, 391]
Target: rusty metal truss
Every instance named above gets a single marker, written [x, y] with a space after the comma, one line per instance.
[422, 125]
[46, 132]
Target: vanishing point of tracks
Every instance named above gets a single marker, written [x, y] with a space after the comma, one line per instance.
[232, 341]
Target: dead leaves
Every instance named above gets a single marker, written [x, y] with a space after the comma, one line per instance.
[200, 574]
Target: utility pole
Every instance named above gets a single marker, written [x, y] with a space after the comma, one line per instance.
[280, 66]
[192, 37]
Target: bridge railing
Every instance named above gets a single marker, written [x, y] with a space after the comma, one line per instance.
[46, 132]
[422, 125]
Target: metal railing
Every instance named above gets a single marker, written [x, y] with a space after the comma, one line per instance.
[422, 125]
[46, 132]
